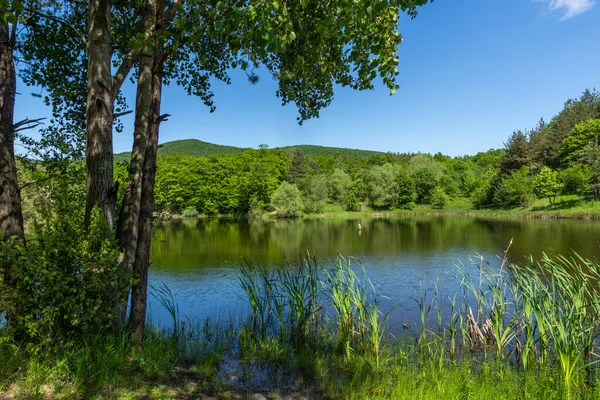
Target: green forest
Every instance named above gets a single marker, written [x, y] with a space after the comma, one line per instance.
[557, 161]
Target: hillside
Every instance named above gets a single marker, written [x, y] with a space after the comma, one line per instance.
[311, 150]
[190, 147]
[194, 147]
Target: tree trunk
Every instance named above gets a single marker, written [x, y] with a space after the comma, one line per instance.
[100, 189]
[11, 215]
[139, 294]
[127, 228]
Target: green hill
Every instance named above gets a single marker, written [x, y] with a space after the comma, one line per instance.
[311, 150]
[188, 147]
[194, 147]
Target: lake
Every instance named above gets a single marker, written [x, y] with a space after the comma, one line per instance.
[198, 259]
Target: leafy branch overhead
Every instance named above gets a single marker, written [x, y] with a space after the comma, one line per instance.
[308, 46]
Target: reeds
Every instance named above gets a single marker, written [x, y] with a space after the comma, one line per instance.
[510, 331]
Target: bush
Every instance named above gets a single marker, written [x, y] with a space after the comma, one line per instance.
[439, 198]
[190, 212]
[68, 281]
[287, 201]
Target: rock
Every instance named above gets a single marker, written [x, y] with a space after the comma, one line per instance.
[257, 396]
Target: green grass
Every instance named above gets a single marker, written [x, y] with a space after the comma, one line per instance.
[513, 332]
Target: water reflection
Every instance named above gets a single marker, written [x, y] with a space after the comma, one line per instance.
[197, 259]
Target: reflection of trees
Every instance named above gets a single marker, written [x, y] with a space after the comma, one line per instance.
[210, 242]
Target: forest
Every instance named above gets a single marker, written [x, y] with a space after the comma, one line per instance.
[554, 159]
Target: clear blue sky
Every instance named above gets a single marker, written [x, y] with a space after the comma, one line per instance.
[471, 72]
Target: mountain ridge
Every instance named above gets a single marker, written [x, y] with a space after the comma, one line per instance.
[195, 147]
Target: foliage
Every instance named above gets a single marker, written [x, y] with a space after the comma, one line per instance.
[547, 184]
[380, 184]
[516, 154]
[287, 200]
[581, 135]
[190, 212]
[68, 281]
[404, 192]
[425, 181]
[338, 184]
[439, 198]
[315, 196]
[514, 190]
[297, 167]
[576, 179]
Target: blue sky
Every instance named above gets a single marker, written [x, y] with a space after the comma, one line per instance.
[471, 71]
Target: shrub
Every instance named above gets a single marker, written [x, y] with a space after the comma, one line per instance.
[190, 212]
[439, 198]
[68, 281]
[287, 200]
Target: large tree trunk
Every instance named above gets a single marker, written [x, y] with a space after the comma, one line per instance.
[139, 295]
[11, 216]
[127, 228]
[100, 188]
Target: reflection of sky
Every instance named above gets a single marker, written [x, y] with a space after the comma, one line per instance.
[197, 261]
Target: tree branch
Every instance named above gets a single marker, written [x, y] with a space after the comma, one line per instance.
[36, 181]
[118, 115]
[123, 71]
[27, 124]
[61, 21]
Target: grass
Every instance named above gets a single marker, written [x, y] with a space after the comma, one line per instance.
[511, 332]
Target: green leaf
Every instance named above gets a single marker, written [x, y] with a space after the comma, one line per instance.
[10, 18]
[18, 6]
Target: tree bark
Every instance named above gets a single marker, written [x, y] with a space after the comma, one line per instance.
[127, 228]
[100, 189]
[139, 295]
[11, 215]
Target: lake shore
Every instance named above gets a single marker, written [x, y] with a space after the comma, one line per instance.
[567, 207]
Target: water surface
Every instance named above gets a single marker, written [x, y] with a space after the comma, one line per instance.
[198, 259]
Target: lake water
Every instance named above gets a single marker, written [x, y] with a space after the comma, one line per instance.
[197, 259]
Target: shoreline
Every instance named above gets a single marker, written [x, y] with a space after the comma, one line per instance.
[489, 213]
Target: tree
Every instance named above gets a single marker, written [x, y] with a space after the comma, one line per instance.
[576, 179]
[590, 156]
[338, 183]
[308, 47]
[404, 192]
[547, 184]
[439, 198]
[582, 134]
[514, 190]
[287, 200]
[297, 167]
[425, 182]
[315, 196]
[517, 153]
[380, 184]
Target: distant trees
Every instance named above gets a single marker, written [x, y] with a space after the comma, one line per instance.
[425, 182]
[583, 134]
[287, 200]
[547, 184]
